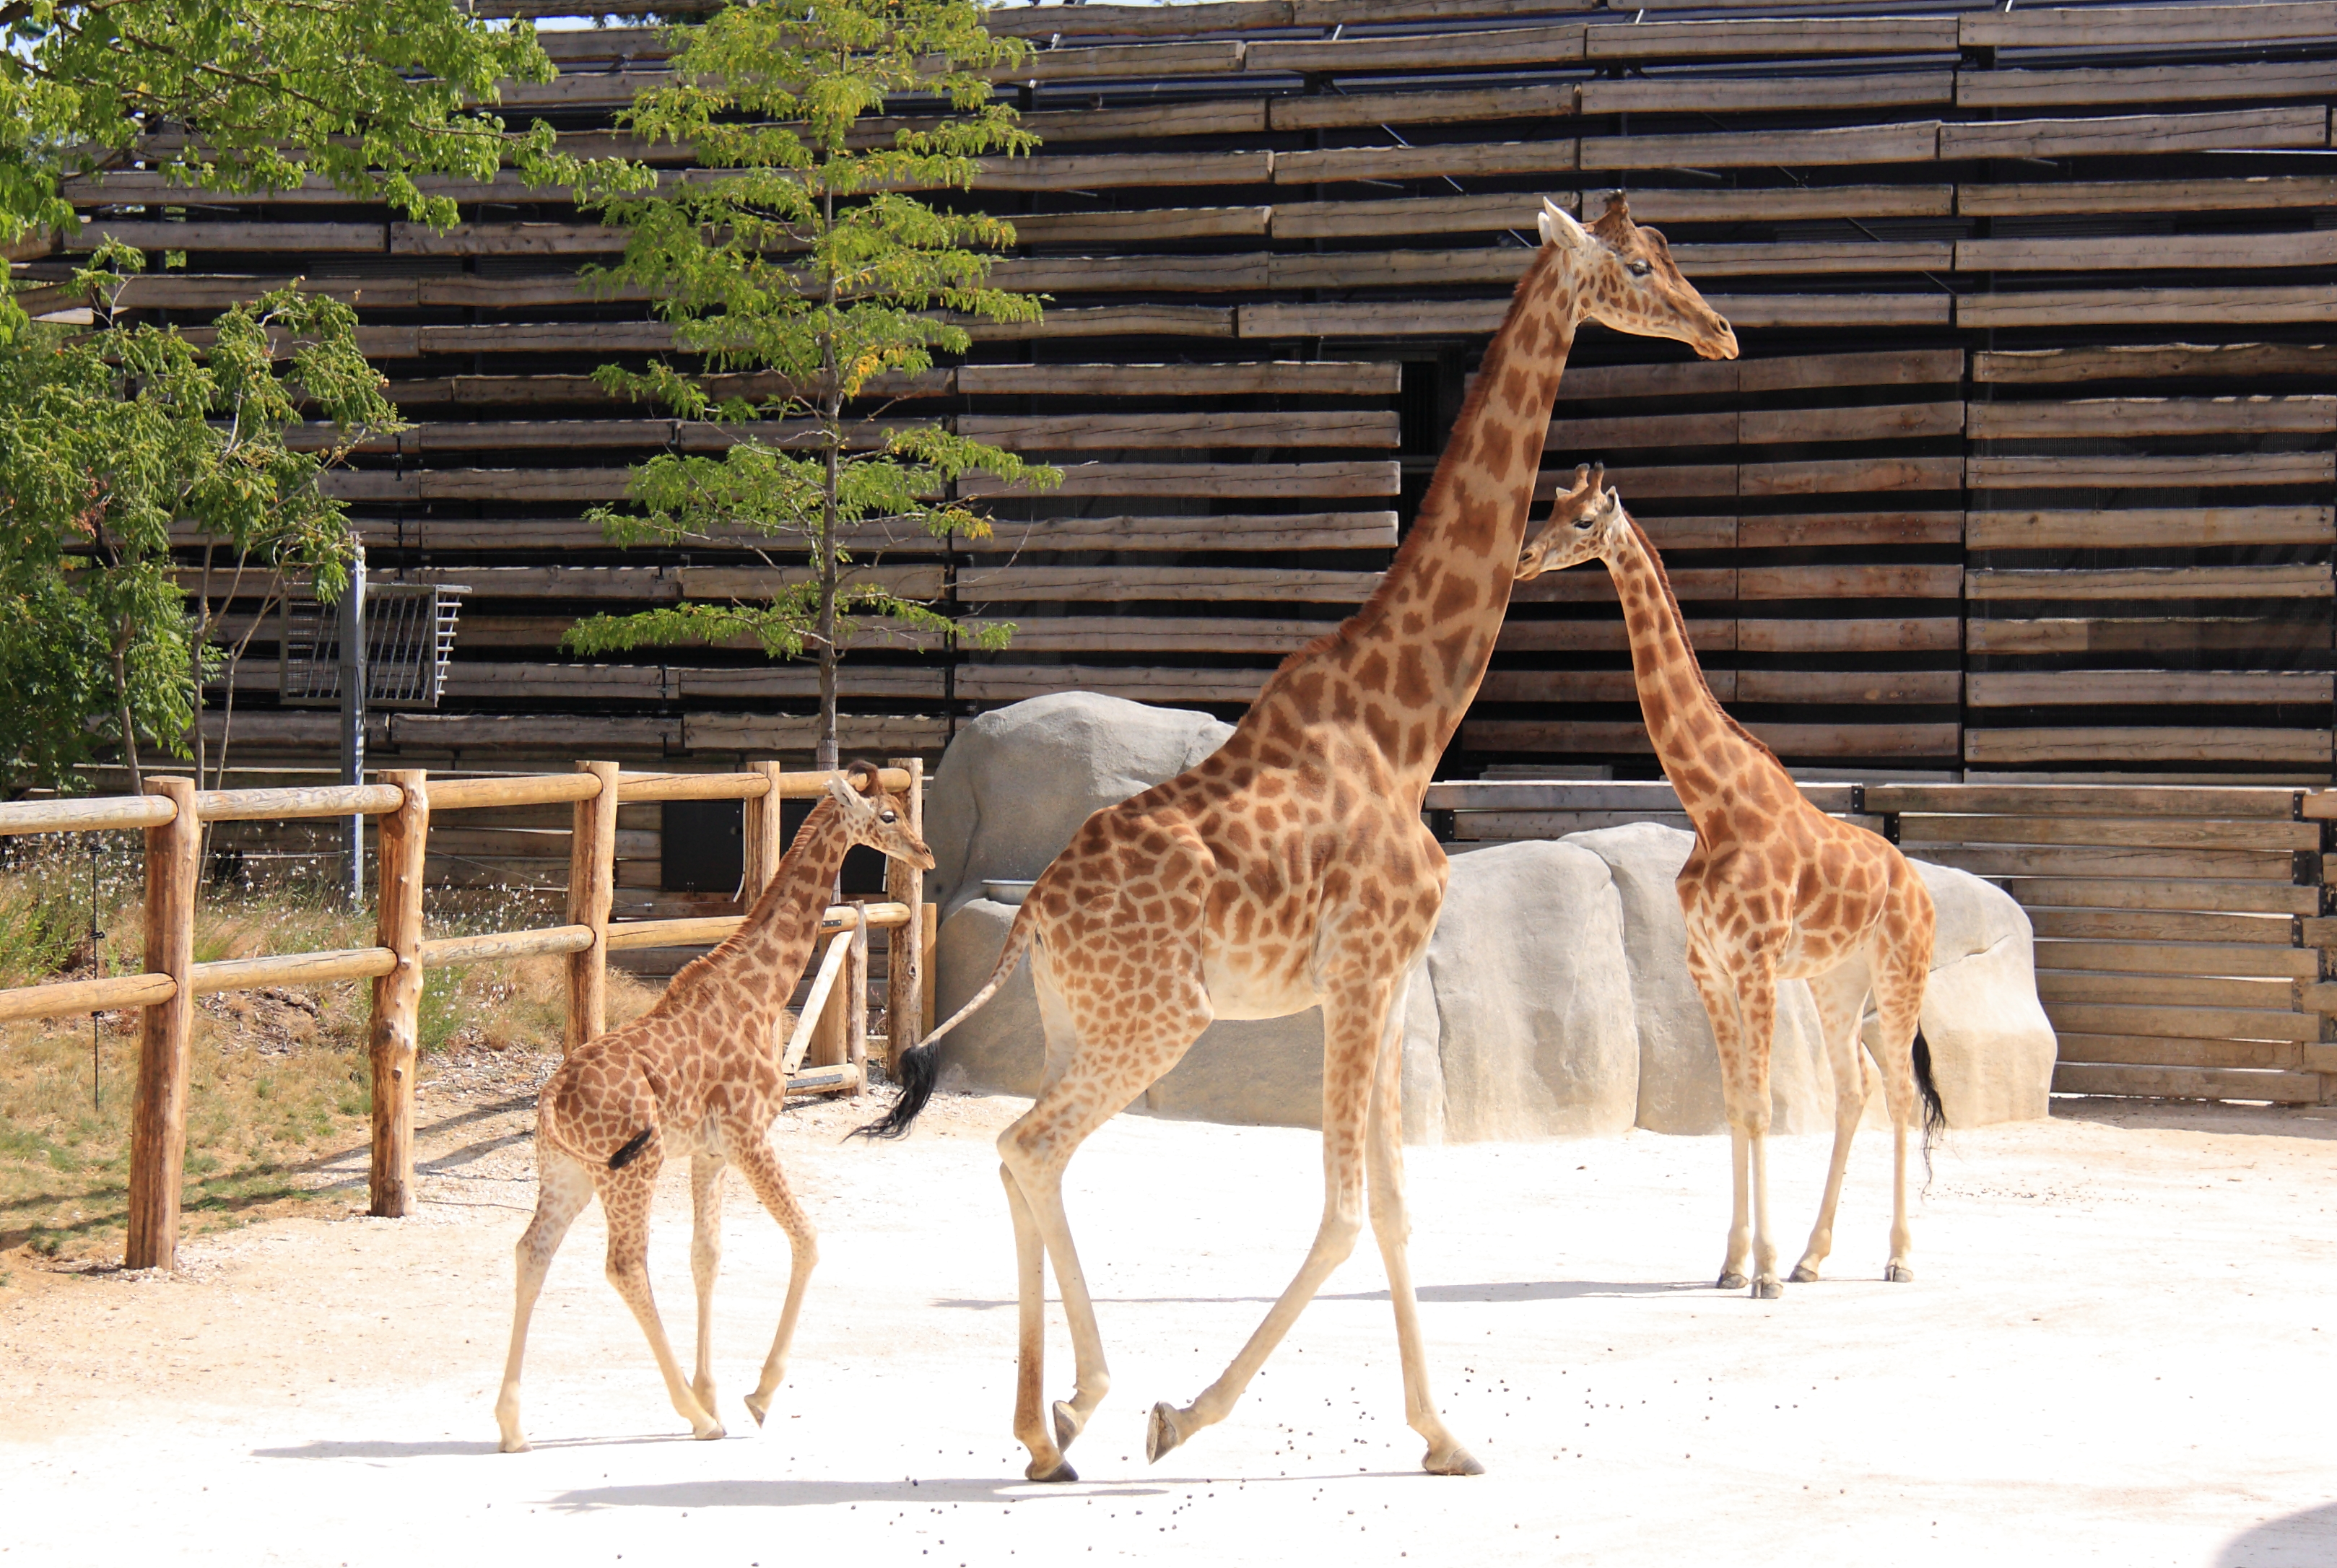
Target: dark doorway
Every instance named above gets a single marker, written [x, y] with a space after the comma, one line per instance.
[704, 846]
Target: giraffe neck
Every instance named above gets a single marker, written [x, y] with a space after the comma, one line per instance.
[1706, 755]
[770, 951]
[1405, 668]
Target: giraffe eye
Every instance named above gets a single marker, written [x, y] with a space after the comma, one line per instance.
[1639, 267]
[890, 817]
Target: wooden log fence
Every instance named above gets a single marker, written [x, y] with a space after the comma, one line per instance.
[827, 1051]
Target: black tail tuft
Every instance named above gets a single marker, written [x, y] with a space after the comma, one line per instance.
[918, 1069]
[1935, 1115]
[632, 1149]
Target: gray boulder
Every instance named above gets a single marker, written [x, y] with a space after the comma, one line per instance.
[1680, 1061]
[1016, 783]
[1993, 1047]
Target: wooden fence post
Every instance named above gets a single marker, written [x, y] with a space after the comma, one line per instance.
[591, 888]
[395, 1031]
[765, 840]
[856, 1004]
[905, 945]
[158, 1116]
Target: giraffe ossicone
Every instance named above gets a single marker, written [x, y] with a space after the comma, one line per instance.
[1291, 869]
[699, 1072]
[1775, 889]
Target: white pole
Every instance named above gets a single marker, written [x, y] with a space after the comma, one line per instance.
[353, 714]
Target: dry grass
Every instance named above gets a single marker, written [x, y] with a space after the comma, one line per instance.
[281, 1081]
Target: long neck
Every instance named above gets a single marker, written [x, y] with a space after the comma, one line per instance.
[1415, 654]
[768, 954]
[1706, 755]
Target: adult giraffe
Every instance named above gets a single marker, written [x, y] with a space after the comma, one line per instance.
[1775, 889]
[1291, 869]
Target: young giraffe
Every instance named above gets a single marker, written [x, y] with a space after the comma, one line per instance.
[1291, 869]
[699, 1071]
[1775, 889]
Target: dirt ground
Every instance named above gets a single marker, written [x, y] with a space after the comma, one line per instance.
[2118, 1350]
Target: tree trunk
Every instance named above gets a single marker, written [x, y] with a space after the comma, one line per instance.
[831, 407]
[129, 726]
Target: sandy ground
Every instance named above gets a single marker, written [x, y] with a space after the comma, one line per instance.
[2119, 1351]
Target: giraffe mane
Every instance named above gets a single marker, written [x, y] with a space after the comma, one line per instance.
[694, 972]
[1663, 582]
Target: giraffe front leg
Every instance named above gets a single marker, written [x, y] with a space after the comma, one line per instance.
[1759, 993]
[705, 1262]
[761, 1168]
[563, 1189]
[1841, 998]
[1046, 1447]
[1719, 998]
[1740, 1222]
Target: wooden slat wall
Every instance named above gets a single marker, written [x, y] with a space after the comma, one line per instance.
[2028, 467]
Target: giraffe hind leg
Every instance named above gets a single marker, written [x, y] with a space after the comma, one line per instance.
[752, 1152]
[625, 1198]
[563, 1189]
[1840, 996]
[705, 1261]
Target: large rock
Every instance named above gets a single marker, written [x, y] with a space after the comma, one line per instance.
[1526, 1028]
[1680, 1061]
[1018, 783]
[1993, 1047]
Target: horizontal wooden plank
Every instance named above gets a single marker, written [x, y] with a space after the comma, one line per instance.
[1129, 274]
[1580, 686]
[2230, 194]
[1445, 106]
[1103, 171]
[2136, 133]
[1519, 635]
[2182, 1023]
[2236, 469]
[1414, 215]
[1629, 737]
[2188, 1084]
[1649, 796]
[2150, 27]
[1849, 582]
[1904, 310]
[2071, 688]
[854, 681]
[505, 239]
[2124, 417]
[1497, 264]
[2122, 745]
[2042, 860]
[1111, 321]
[1805, 530]
[2273, 936]
[199, 235]
[1512, 47]
[1142, 223]
[2142, 307]
[1135, 20]
[2154, 635]
[1691, 585]
[2132, 582]
[1934, 687]
[2152, 894]
[1678, 94]
[1391, 318]
[2155, 361]
[1512, 826]
[1804, 259]
[2257, 80]
[1790, 203]
[1141, 61]
[1116, 584]
[888, 732]
[2158, 253]
[1147, 634]
[2056, 987]
[1002, 683]
[921, 582]
[1804, 634]
[2237, 801]
[1913, 142]
[1447, 160]
[2140, 832]
[1256, 481]
[1766, 38]
[1848, 475]
[1322, 378]
[2081, 1051]
[1870, 422]
[1063, 127]
[1264, 531]
[1193, 428]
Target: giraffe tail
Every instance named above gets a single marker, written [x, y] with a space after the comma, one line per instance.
[1935, 1114]
[919, 1069]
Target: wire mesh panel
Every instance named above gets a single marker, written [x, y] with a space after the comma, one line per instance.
[409, 640]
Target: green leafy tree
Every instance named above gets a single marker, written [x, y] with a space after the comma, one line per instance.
[106, 441]
[797, 255]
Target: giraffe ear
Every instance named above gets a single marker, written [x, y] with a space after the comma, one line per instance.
[1559, 228]
[843, 794]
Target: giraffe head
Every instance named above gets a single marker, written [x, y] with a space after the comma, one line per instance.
[873, 815]
[1629, 283]
[1587, 520]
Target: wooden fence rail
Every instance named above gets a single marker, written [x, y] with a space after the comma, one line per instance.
[826, 1051]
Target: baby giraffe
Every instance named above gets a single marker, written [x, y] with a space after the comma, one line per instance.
[699, 1072]
[1775, 889]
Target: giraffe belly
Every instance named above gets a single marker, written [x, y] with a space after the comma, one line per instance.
[1239, 990]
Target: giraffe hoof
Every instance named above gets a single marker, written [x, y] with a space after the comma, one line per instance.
[710, 1432]
[1767, 1291]
[1730, 1281]
[514, 1445]
[1900, 1274]
[1062, 1473]
[757, 1408]
[1067, 1424]
[1803, 1274]
[1455, 1461]
[1161, 1432]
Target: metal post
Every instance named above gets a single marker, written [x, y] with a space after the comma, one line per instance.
[353, 712]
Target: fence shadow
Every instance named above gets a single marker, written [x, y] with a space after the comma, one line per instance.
[2303, 1540]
